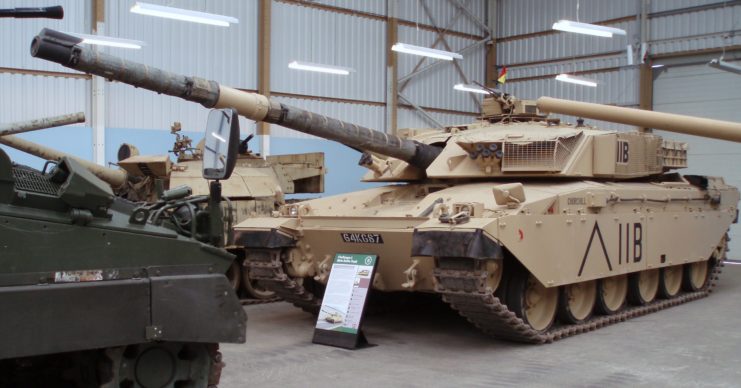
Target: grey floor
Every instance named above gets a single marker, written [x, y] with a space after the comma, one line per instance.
[695, 344]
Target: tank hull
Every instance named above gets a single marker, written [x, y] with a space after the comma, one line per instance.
[562, 235]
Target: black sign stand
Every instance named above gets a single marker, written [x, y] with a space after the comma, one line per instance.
[346, 339]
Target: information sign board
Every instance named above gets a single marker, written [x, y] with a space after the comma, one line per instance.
[341, 315]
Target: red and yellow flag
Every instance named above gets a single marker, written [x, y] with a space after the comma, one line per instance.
[502, 75]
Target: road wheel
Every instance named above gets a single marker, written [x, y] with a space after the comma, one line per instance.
[670, 281]
[696, 275]
[253, 288]
[611, 294]
[164, 364]
[576, 301]
[532, 301]
[643, 286]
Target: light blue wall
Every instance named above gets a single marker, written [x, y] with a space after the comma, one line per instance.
[74, 140]
[148, 141]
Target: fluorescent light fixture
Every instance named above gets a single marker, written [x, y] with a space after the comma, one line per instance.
[723, 65]
[425, 51]
[586, 28]
[100, 40]
[576, 80]
[182, 14]
[658, 66]
[732, 262]
[329, 69]
[470, 88]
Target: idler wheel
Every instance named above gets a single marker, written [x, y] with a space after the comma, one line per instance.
[670, 281]
[576, 301]
[494, 272]
[532, 301]
[611, 294]
[696, 275]
[643, 286]
[234, 275]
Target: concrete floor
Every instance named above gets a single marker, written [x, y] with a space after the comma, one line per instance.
[695, 344]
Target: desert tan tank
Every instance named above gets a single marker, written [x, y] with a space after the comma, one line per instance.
[531, 228]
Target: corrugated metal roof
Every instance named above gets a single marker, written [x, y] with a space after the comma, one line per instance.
[17, 33]
[25, 97]
[564, 45]
[318, 36]
[517, 17]
[226, 54]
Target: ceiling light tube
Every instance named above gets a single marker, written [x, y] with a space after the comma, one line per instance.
[425, 51]
[101, 40]
[182, 14]
[576, 80]
[586, 28]
[723, 65]
[470, 88]
[329, 69]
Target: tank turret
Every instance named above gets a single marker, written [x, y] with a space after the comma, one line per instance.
[63, 49]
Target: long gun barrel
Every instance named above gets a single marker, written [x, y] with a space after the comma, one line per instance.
[35, 125]
[115, 178]
[55, 12]
[718, 129]
[63, 49]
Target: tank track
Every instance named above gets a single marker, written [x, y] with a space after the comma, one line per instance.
[465, 291]
[253, 301]
[266, 266]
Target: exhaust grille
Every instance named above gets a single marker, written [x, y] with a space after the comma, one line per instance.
[540, 155]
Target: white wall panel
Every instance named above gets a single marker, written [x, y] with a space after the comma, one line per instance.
[371, 116]
[695, 30]
[434, 88]
[517, 17]
[706, 92]
[25, 97]
[314, 35]
[668, 5]
[17, 34]
[226, 54]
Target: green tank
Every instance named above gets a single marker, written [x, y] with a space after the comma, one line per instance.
[96, 290]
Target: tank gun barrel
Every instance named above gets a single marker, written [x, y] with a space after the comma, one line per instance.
[35, 125]
[115, 178]
[63, 49]
[54, 12]
[689, 125]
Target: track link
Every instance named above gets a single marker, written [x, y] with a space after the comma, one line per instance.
[465, 291]
[267, 267]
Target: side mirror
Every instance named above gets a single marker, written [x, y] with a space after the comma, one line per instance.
[221, 144]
